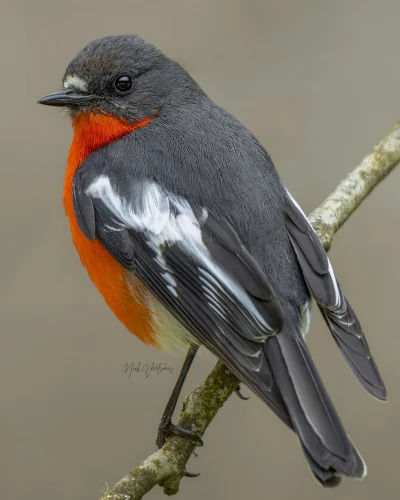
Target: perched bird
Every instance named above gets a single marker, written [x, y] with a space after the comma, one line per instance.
[186, 229]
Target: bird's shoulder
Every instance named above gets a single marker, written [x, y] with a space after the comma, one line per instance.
[201, 152]
[207, 157]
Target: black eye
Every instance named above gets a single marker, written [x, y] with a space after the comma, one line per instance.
[123, 83]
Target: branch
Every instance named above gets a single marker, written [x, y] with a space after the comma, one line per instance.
[167, 465]
[330, 216]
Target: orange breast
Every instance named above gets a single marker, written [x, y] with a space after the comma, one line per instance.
[125, 297]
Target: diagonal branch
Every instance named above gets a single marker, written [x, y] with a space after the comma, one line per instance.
[167, 465]
[330, 216]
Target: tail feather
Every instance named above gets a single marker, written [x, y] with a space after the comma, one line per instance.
[355, 350]
[327, 478]
[327, 448]
[324, 287]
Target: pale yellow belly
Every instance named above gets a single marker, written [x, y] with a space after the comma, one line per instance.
[170, 335]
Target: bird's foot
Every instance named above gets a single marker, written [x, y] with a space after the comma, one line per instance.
[167, 429]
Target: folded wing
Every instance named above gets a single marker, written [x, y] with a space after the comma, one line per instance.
[195, 264]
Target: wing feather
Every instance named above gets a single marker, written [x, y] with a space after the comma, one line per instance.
[337, 312]
[195, 264]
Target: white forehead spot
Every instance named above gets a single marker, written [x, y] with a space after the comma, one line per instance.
[75, 82]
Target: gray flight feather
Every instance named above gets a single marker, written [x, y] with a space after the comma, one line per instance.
[339, 316]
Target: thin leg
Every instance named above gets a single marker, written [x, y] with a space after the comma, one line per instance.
[166, 427]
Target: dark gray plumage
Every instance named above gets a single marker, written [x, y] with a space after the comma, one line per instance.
[234, 247]
[340, 318]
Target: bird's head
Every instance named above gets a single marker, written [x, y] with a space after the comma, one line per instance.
[124, 77]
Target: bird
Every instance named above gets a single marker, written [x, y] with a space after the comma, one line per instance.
[185, 227]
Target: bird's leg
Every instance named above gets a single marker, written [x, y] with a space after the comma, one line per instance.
[166, 428]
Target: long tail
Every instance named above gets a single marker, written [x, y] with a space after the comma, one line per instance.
[328, 449]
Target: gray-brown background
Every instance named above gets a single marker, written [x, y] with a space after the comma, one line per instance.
[319, 83]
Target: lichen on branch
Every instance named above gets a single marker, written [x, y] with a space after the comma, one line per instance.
[330, 216]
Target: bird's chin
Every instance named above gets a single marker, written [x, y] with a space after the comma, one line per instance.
[93, 108]
[75, 112]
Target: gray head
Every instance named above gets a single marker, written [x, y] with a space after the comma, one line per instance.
[122, 76]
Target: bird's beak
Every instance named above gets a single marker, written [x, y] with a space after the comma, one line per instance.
[67, 98]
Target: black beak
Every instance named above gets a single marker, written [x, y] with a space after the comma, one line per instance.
[68, 98]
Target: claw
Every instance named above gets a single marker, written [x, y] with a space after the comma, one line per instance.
[244, 398]
[192, 474]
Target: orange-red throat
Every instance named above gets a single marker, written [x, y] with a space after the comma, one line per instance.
[93, 131]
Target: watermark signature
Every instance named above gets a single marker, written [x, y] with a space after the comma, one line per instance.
[147, 368]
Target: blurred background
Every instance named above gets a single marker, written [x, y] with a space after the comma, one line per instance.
[319, 85]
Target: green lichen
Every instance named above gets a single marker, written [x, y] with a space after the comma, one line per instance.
[198, 410]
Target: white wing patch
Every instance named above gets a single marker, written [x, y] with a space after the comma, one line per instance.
[149, 214]
[167, 219]
[75, 82]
